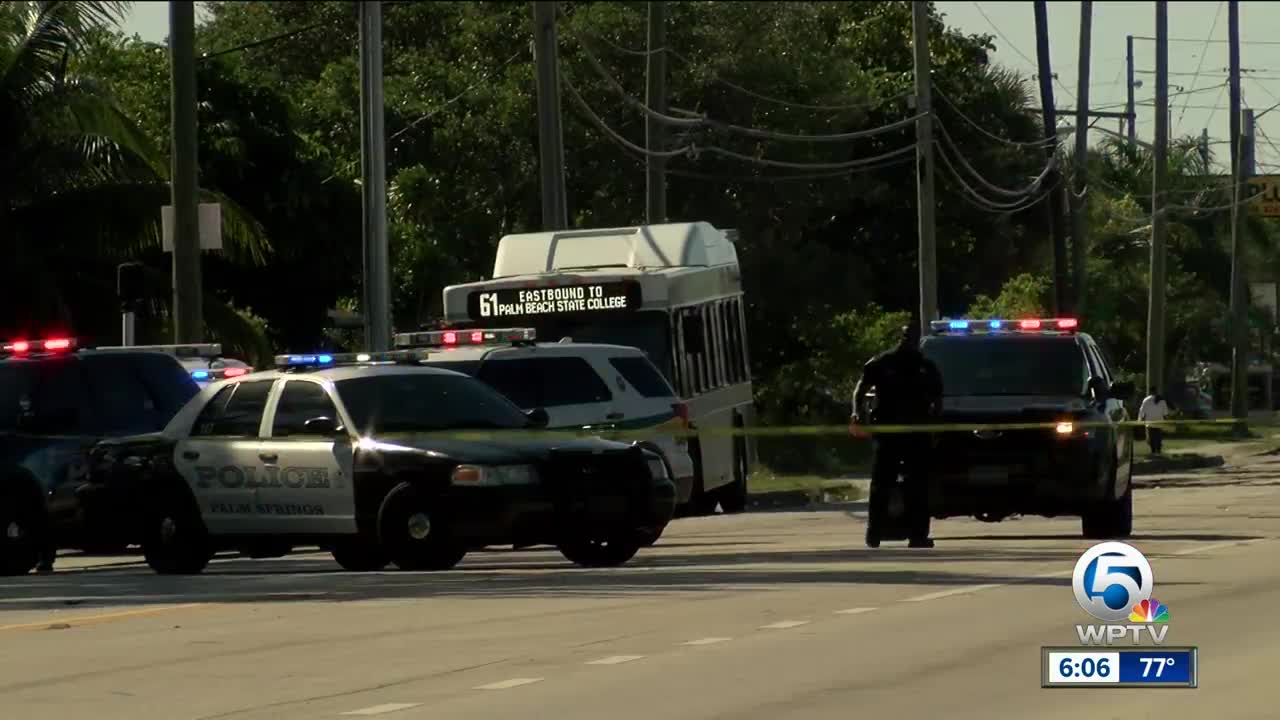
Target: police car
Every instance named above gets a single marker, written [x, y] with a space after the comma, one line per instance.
[580, 385]
[57, 400]
[1079, 461]
[372, 456]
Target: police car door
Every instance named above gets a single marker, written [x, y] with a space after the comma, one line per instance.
[1116, 414]
[219, 458]
[306, 486]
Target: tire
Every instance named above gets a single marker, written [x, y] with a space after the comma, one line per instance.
[175, 541]
[1112, 518]
[360, 555]
[415, 535]
[701, 502]
[19, 541]
[733, 498]
[649, 536]
[599, 554]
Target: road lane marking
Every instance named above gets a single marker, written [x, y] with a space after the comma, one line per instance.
[854, 611]
[785, 624]
[953, 591]
[380, 709]
[1205, 548]
[505, 684]
[68, 622]
[707, 641]
[615, 660]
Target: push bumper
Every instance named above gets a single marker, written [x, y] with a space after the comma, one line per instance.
[1064, 481]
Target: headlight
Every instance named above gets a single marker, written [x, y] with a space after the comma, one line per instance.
[657, 468]
[494, 475]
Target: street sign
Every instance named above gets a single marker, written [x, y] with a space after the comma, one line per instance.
[210, 221]
[1267, 190]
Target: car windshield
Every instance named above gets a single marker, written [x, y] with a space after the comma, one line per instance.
[1008, 365]
[412, 402]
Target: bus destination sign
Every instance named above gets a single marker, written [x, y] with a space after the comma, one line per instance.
[588, 299]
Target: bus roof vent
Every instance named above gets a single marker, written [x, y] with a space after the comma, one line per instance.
[642, 246]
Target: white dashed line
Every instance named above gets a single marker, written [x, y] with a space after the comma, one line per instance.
[854, 611]
[615, 660]
[380, 709]
[707, 641]
[785, 624]
[1204, 548]
[953, 591]
[505, 684]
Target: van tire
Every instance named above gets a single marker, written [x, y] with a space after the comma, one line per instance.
[19, 537]
[733, 497]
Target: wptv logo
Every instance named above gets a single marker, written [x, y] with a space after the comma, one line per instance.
[1113, 583]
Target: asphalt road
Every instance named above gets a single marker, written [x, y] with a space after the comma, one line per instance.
[771, 615]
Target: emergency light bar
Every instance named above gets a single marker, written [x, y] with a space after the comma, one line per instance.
[1001, 325]
[219, 373]
[200, 350]
[323, 360]
[18, 347]
[453, 338]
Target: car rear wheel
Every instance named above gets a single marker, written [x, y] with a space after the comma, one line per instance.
[360, 555]
[175, 540]
[733, 497]
[595, 553]
[416, 535]
[19, 542]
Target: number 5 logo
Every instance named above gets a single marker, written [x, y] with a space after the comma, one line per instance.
[1110, 578]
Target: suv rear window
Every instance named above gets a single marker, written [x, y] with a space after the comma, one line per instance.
[642, 375]
[545, 382]
[1009, 365]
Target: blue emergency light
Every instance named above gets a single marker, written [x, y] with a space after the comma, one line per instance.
[323, 360]
[1029, 325]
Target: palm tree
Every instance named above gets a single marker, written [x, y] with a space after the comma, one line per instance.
[81, 186]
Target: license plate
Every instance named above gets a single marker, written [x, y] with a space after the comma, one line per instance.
[989, 475]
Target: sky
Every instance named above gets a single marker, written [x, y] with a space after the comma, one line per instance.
[1197, 59]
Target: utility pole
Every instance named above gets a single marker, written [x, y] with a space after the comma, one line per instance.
[928, 257]
[188, 312]
[656, 98]
[1239, 304]
[1203, 147]
[1133, 125]
[373, 172]
[1080, 203]
[555, 213]
[1055, 204]
[1159, 221]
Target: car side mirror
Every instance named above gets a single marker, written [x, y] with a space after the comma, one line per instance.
[321, 426]
[1098, 389]
[1122, 391]
[538, 418]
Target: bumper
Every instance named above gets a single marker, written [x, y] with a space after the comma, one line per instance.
[1063, 481]
[535, 515]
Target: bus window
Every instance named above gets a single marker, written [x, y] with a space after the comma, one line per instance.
[731, 334]
[718, 352]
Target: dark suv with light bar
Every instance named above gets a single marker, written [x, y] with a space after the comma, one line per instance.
[56, 401]
[379, 460]
[1056, 443]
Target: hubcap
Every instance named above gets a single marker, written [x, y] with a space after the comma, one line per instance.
[168, 529]
[419, 526]
[13, 531]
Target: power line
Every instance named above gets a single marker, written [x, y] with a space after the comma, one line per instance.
[1039, 144]
[1022, 192]
[716, 78]
[269, 40]
[1200, 66]
[1209, 42]
[1015, 48]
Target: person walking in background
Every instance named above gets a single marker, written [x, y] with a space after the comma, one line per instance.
[1154, 409]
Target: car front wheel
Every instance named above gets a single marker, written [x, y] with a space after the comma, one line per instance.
[416, 535]
[599, 553]
[1112, 518]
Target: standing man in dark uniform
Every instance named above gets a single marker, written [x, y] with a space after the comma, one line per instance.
[908, 391]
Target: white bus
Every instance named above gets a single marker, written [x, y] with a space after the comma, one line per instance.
[673, 290]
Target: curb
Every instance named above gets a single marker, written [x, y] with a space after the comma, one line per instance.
[829, 493]
[1177, 464]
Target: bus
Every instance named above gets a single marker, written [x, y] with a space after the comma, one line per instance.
[672, 290]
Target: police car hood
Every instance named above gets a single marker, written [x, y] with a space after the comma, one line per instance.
[1009, 407]
[494, 451]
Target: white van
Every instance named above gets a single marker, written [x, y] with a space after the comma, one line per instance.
[578, 384]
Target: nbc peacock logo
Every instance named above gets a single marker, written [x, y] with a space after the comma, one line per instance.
[1149, 611]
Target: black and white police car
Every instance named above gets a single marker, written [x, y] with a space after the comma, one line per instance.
[1044, 372]
[367, 456]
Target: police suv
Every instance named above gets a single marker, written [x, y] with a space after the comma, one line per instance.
[375, 458]
[57, 400]
[1078, 457]
[580, 385]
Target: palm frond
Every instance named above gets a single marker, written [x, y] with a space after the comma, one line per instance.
[43, 35]
[120, 220]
